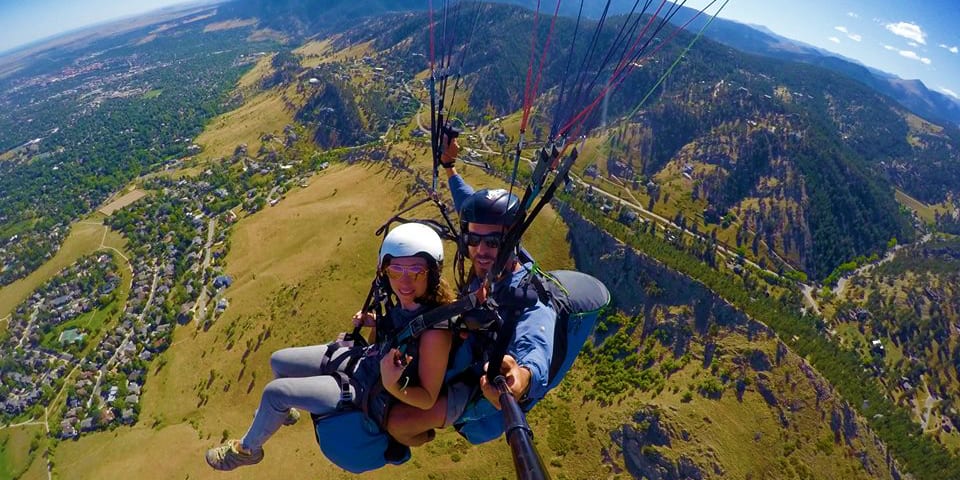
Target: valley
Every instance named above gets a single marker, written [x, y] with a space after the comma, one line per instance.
[768, 323]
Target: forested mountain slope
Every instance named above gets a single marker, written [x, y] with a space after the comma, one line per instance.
[903, 317]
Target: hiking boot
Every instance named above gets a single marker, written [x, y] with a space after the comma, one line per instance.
[228, 456]
[293, 416]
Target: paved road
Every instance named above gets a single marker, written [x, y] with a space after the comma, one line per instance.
[891, 254]
[808, 299]
[26, 331]
[201, 305]
[26, 423]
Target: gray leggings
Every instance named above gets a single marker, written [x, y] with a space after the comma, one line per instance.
[299, 383]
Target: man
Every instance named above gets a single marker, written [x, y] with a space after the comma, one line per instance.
[485, 216]
[471, 404]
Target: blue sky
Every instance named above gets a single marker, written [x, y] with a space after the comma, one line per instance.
[911, 39]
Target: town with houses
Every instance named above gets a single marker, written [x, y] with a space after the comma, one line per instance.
[79, 348]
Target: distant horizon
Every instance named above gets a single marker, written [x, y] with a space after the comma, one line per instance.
[14, 19]
[893, 40]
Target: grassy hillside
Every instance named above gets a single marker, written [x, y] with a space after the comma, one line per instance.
[16, 451]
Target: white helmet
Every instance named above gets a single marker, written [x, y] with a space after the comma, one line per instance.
[410, 239]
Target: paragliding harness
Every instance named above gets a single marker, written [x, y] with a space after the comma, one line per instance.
[355, 363]
[578, 300]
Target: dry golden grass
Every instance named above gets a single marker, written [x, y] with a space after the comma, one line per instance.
[926, 212]
[264, 113]
[127, 199]
[147, 39]
[230, 24]
[314, 52]
[250, 81]
[918, 124]
[353, 51]
[266, 34]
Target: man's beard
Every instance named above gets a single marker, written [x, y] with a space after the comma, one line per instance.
[482, 264]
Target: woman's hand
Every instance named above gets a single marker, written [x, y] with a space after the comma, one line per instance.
[364, 319]
[391, 369]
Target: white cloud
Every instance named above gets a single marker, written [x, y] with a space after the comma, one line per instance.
[913, 56]
[908, 54]
[913, 44]
[852, 36]
[909, 31]
[952, 49]
[950, 92]
[834, 39]
[853, 15]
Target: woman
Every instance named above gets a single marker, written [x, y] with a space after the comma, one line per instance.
[308, 378]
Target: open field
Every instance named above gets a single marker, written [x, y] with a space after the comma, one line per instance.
[926, 212]
[264, 113]
[15, 454]
[229, 24]
[7, 155]
[84, 238]
[354, 51]
[124, 201]
[251, 79]
[314, 52]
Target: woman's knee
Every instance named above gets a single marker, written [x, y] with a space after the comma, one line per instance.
[276, 395]
[278, 360]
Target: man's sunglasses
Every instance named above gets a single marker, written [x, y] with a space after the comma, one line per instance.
[396, 272]
[491, 240]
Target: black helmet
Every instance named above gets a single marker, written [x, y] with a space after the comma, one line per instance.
[490, 207]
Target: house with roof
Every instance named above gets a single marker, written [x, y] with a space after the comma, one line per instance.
[87, 424]
[128, 416]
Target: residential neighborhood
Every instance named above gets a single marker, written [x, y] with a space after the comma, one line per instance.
[80, 346]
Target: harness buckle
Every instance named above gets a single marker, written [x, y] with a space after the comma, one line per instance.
[417, 326]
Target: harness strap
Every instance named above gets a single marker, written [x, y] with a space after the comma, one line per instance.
[346, 396]
[434, 319]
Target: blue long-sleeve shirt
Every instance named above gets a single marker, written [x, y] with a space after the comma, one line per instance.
[531, 346]
[459, 190]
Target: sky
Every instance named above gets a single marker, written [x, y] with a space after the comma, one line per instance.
[916, 39]
[24, 21]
